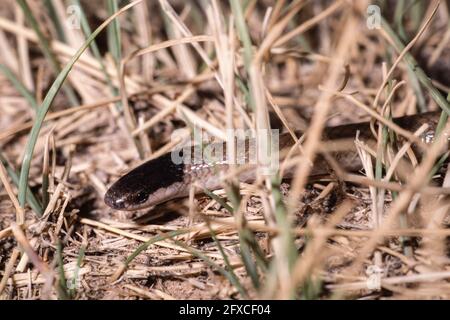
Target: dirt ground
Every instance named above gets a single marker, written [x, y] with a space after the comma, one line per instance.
[92, 138]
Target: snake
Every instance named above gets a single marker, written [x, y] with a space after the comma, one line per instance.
[162, 179]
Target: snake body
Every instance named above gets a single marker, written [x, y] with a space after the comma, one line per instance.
[161, 179]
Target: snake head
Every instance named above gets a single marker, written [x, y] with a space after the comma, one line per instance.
[147, 185]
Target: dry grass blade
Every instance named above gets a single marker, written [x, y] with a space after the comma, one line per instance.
[20, 218]
[405, 51]
[8, 269]
[332, 217]
[23, 182]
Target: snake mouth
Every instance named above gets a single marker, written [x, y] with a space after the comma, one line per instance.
[113, 201]
[140, 200]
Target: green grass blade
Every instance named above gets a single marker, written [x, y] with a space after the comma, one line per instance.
[93, 46]
[414, 66]
[153, 240]
[31, 199]
[259, 256]
[73, 285]
[442, 120]
[51, 94]
[311, 289]
[229, 267]
[438, 164]
[244, 36]
[63, 292]
[417, 13]
[114, 43]
[27, 94]
[46, 49]
[398, 19]
[247, 241]
[227, 274]
[114, 47]
[145, 245]
[247, 259]
[245, 236]
[55, 19]
[281, 216]
[218, 199]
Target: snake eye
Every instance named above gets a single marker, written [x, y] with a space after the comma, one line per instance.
[138, 198]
